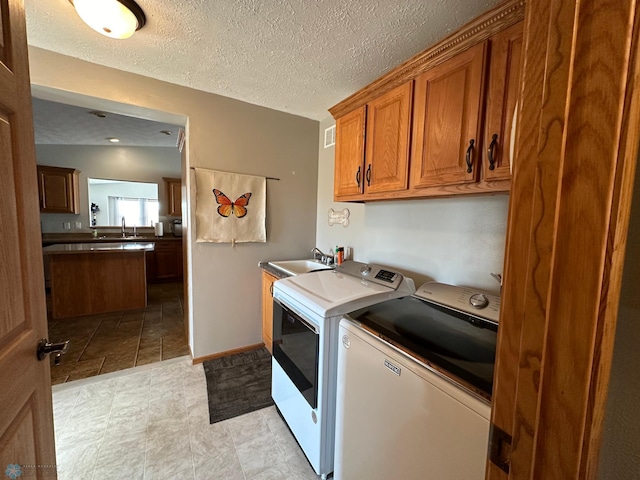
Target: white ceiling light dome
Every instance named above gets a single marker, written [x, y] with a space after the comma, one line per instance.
[113, 18]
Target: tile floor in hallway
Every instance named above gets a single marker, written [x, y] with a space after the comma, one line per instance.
[152, 422]
[114, 341]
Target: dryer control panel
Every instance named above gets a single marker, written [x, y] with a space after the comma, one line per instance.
[465, 299]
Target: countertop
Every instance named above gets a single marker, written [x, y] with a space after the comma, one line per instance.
[54, 238]
[276, 272]
[75, 248]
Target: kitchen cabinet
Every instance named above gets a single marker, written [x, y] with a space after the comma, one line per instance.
[174, 196]
[58, 189]
[439, 124]
[502, 97]
[372, 154]
[349, 153]
[446, 121]
[164, 264]
[267, 308]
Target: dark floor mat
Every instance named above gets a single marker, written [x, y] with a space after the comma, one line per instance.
[238, 384]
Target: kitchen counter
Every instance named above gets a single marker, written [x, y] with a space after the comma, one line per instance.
[90, 278]
[73, 248]
[55, 238]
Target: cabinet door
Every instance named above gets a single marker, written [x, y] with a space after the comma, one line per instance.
[504, 84]
[58, 190]
[166, 261]
[349, 169]
[267, 308]
[446, 121]
[387, 141]
[174, 197]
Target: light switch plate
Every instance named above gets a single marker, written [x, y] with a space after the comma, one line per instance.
[66, 225]
[78, 225]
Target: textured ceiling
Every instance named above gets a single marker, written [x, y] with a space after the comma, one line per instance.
[296, 56]
[60, 124]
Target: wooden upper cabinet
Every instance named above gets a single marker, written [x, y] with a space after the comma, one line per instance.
[58, 189]
[174, 196]
[387, 141]
[502, 96]
[447, 120]
[349, 169]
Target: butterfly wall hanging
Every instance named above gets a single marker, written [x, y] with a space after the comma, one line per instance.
[227, 208]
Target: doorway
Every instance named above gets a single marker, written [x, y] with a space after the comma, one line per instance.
[77, 132]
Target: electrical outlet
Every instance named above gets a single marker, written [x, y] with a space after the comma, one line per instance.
[78, 225]
[66, 225]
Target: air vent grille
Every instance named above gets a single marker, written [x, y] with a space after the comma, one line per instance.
[330, 137]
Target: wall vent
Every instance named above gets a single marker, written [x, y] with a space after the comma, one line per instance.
[330, 137]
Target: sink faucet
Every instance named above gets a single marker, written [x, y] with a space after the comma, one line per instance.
[322, 257]
[123, 227]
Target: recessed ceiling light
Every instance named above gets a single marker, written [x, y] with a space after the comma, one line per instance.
[98, 114]
[113, 139]
[113, 18]
[166, 132]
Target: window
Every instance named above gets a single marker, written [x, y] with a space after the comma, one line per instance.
[136, 211]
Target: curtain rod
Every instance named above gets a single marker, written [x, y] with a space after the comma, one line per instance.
[268, 178]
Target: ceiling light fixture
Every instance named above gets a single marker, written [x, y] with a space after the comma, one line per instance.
[113, 139]
[113, 18]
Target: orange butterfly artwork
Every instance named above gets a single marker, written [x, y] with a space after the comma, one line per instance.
[227, 207]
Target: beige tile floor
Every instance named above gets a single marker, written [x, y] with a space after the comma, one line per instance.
[152, 422]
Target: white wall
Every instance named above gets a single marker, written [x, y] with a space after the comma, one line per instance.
[222, 134]
[140, 164]
[457, 240]
[620, 454]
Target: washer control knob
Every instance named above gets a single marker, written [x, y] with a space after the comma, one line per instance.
[365, 269]
[478, 301]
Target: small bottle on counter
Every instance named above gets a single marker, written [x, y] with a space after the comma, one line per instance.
[339, 255]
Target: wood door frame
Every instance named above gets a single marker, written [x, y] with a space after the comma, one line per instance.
[576, 154]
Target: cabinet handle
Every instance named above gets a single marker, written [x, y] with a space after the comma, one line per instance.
[368, 175]
[358, 176]
[492, 146]
[271, 289]
[468, 158]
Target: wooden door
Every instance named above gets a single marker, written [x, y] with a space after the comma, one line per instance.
[26, 418]
[502, 96]
[349, 168]
[267, 308]
[575, 162]
[446, 121]
[387, 141]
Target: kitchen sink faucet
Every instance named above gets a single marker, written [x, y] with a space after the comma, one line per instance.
[123, 227]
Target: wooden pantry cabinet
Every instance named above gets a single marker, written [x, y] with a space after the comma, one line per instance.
[441, 123]
[267, 308]
[58, 189]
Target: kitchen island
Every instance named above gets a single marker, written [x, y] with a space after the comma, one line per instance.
[89, 278]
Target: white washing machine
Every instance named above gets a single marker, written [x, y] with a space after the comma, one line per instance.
[414, 382]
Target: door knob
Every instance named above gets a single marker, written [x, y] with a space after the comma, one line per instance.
[45, 348]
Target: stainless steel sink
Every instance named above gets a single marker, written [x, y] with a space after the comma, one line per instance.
[296, 267]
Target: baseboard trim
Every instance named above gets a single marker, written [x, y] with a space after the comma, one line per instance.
[227, 352]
